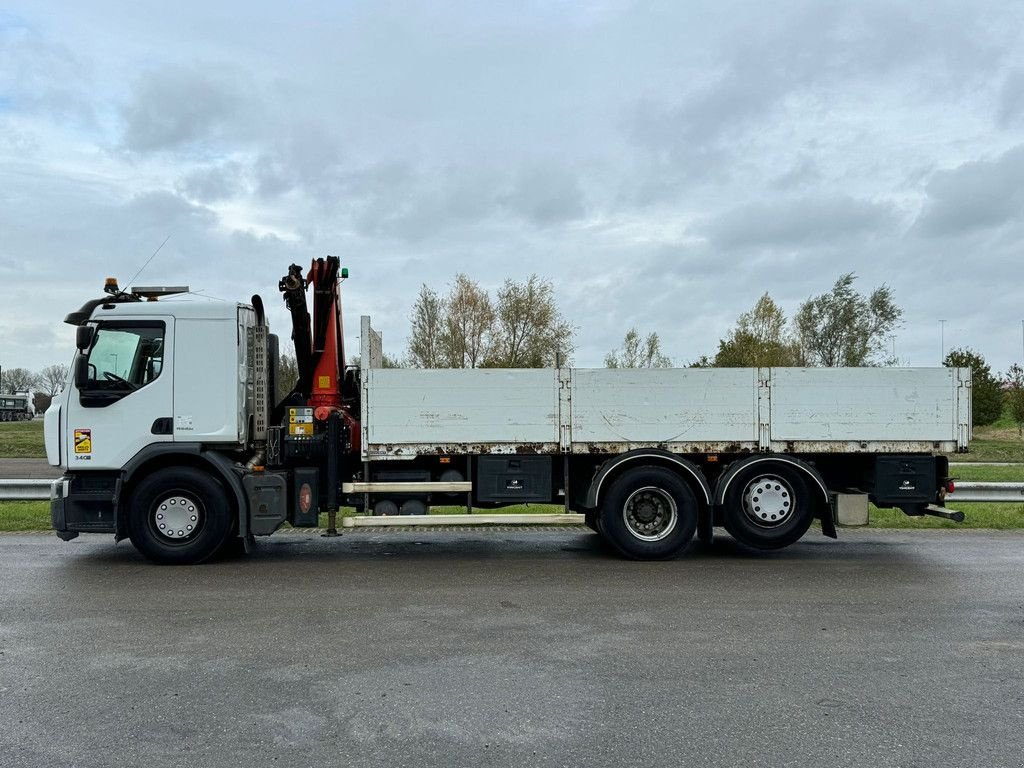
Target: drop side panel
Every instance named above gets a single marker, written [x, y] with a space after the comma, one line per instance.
[411, 411]
[614, 410]
[882, 405]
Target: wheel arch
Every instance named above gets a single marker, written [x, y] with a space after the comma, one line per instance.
[168, 455]
[613, 468]
[817, 483]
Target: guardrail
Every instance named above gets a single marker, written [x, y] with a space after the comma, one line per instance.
[965, 493]
[997, 492]
[25, 490]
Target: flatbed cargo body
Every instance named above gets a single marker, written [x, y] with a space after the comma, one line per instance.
[416, 412]
[423, 412]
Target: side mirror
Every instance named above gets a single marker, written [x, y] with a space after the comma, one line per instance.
[84, 336]
[81, 370]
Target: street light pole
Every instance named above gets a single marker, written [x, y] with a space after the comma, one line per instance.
[942, 336]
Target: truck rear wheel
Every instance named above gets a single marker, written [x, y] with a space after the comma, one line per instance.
[179, 516]
[768, 506]
[649, 513]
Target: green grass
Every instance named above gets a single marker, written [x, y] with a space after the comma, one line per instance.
[35, 516]
[992, 516]
[22, 440]
[24, 516]
[992, 449]
[988, 474]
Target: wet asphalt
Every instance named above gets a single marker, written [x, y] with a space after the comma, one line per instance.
[509, 648]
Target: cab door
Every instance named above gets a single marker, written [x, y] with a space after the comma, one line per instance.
[123, 398]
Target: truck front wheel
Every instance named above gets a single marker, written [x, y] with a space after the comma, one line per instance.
[179, 516]
[649, 513]
[768, 507]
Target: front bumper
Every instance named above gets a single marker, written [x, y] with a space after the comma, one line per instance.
[81, 504]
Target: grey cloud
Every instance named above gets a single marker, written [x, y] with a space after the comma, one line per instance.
[175, 107]
[804, 172]
[211, 183]
[797, 222]
[39, 75]
[165, 209]
[421, 141]
[980, 194]
[800, 62]
[1010, 111]
[545, 195]
[418, 201]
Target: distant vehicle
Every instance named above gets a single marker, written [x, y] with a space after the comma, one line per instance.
[15, 408]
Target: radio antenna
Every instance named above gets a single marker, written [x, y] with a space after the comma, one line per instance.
[143, 267]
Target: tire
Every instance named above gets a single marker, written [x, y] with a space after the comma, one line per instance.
[179, 516]
[590, 520]
[649, 513]
[768, 506]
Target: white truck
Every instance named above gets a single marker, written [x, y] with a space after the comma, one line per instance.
[170, 434]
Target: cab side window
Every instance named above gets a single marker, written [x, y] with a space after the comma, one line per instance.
[124, 357]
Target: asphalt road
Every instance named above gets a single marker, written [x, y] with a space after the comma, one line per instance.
[28, 469]
[887, 648]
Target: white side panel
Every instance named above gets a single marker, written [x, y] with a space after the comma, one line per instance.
[664, 406]
[209, 380]
[412, 407]
[864, 404]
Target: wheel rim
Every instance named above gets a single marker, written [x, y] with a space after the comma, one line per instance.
[650, 514]
[177, 517]
[768, 501]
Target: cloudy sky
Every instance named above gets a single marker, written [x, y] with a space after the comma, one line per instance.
[663, 163]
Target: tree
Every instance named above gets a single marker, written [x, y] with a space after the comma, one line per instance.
[468, 324]
[17, 380]
[467, 329]
[287, 376]
[529, 331]
[425, 336]
[843, 327]
[986, 389]
[638, 353]
[759, 339]
[52, 379]
[1015, 396]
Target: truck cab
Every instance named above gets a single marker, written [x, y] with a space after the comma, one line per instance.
[153, 383]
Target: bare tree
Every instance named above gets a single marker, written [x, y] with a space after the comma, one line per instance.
[52, 378]
[425, 336]
[529, 331]
[468, 324]
[287, 375]
[18, 380]
[845, 328]
[638, 353]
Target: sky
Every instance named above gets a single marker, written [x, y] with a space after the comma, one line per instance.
[662, 163]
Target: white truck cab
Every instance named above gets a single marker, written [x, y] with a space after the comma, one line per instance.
[179, 366]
